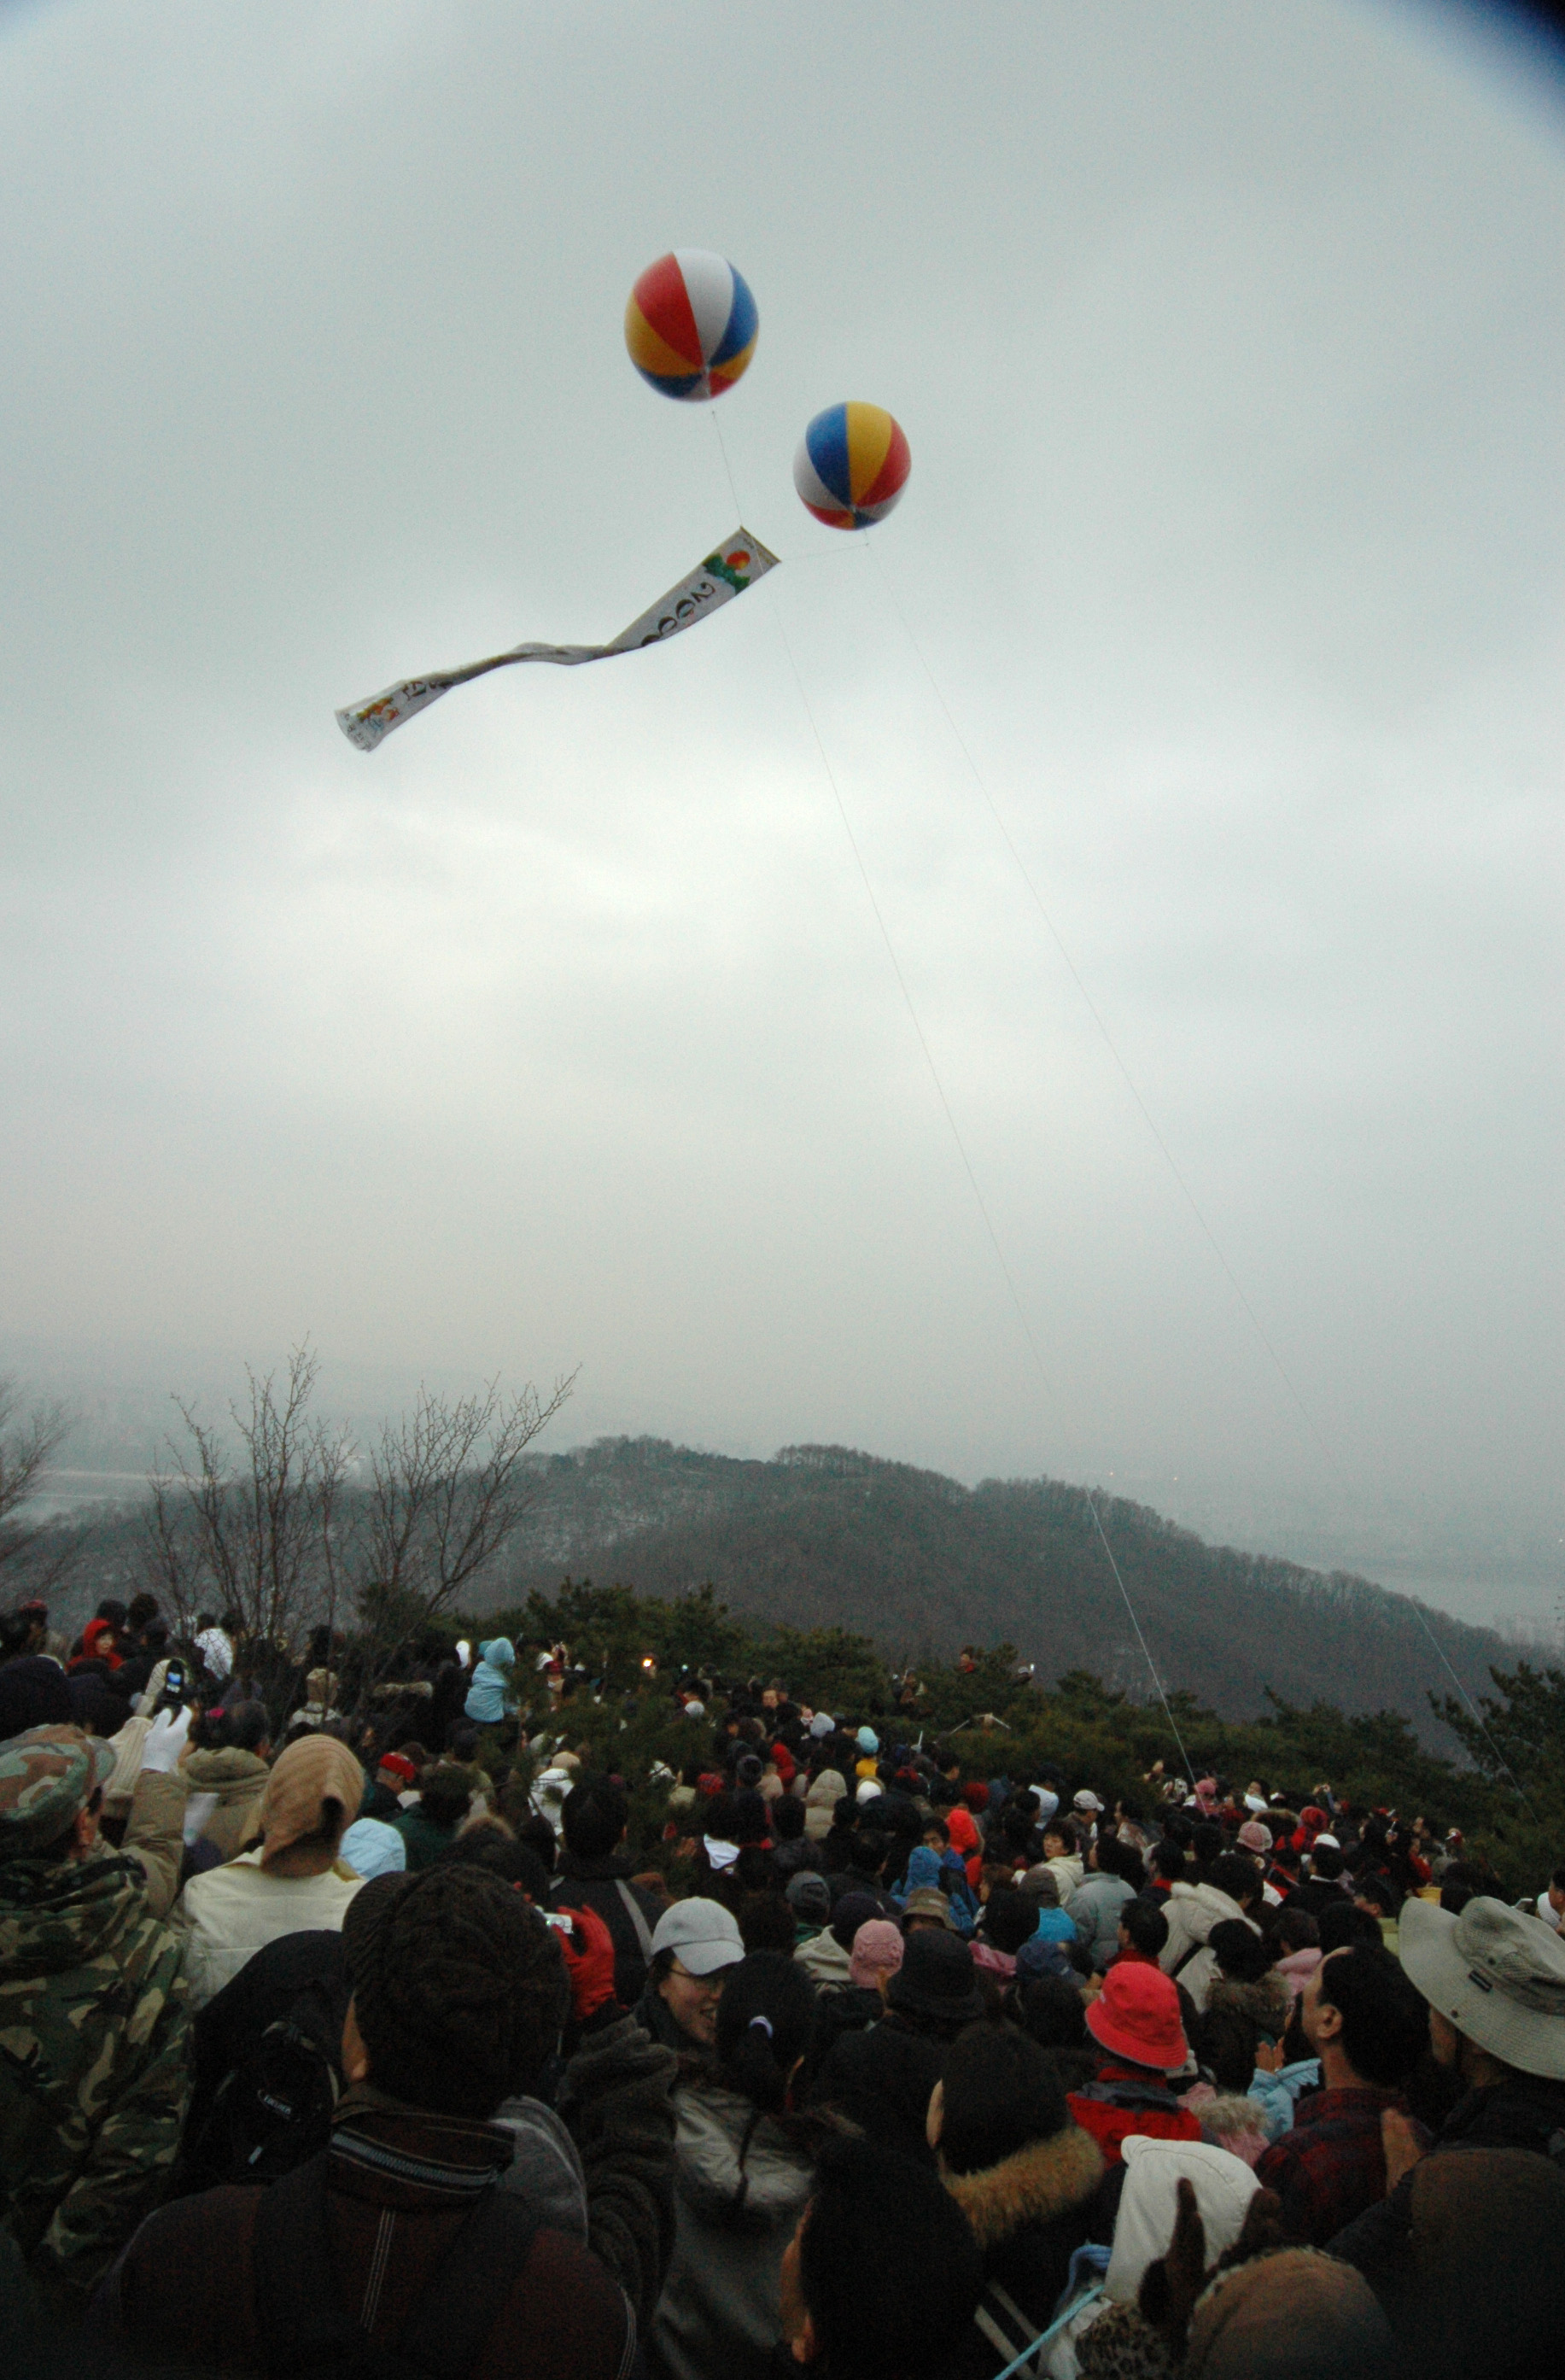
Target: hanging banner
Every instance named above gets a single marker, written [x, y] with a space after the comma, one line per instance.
[737, 563]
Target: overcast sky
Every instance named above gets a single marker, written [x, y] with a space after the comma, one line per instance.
[562, 1032]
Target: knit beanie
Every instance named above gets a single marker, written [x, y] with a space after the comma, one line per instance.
[876, 1950]
[459, 1989]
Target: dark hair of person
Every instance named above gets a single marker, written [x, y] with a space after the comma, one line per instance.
[763, 2026]
[459, 1989]
[1206, 1843]
[1285, 1854]
[444, 1795]
[937, 1827]
[1067, 1829]
[1294, 1929]
[844, 1811]
[888, 2267]
[1243, 1956]
[1133, 1866]
[245, 1727]
[1342, 1926]
[1328, 1864]
[514, 1863]
[140, 1608]
[787, 1819]
[766, 1923]
[749, 1819]
[1146, 1927]
[1016, 1823]
[1111, 1855]
[594, 1814]
[867, 1853]
[1051, 2011]
[1010, 1919]
[113, 1610]
[1384, 2021]
[539, 1836]
[1381, 1890]
[1168, 1861]
[1236, 1875]
[205, 1620]
[1002, 2091]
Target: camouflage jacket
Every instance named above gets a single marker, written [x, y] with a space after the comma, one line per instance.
[94, 2074]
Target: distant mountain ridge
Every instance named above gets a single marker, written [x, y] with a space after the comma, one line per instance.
[825, 1535]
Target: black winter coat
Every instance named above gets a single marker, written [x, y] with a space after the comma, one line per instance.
[1029, 2213]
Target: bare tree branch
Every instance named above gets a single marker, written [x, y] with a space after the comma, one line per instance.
[27, 1445]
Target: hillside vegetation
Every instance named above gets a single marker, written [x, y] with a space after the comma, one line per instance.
[824, 1536]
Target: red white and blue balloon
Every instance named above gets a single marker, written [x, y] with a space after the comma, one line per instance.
[852, 466]
[691, 324]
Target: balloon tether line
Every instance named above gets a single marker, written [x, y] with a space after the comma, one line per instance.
[968, 1166]
[1321, 1440]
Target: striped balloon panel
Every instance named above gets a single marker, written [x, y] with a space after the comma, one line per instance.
[691, 324]
[852, 466]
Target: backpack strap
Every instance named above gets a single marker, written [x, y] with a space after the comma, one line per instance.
[465, 2295]
[638, 1917]
[299, 2317]
[303, 2327]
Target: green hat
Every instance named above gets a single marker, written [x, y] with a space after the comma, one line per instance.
[46, 1776]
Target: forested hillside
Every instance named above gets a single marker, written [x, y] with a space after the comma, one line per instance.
[824, 1535]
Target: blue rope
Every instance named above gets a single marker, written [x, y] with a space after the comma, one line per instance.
[1058, 2325]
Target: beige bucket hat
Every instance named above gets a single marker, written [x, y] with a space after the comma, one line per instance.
[1497, 1973]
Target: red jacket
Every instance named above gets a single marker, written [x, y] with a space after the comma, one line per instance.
[1123, 2101]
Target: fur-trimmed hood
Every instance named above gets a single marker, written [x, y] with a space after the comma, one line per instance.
[1267, 2003]
[1037, 2184]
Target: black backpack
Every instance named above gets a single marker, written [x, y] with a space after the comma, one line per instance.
[268, 2073]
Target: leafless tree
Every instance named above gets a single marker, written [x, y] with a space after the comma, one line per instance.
[29, 1443]
[266, 1519]
[248, 1521]
[447, 1493]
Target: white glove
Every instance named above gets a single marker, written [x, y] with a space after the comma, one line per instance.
[165, 1740]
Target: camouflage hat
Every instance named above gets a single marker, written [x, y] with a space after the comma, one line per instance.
[46, 1776]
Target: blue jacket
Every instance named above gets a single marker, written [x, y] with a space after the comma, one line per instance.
[491, 1694]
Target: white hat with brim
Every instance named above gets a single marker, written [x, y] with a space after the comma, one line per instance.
[702, 1936]
[1496, 1974]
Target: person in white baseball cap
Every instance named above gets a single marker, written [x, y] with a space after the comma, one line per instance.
[693, 1945]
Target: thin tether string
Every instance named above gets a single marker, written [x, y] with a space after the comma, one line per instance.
[967, 1168]
[1328, 1451]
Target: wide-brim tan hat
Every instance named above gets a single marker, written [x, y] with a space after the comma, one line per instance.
[1497, 1973]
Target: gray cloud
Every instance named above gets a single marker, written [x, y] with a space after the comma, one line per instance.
[1227, 343]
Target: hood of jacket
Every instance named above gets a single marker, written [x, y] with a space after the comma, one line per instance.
[57, 1915]
[1202, 1906]
[735, 2166]
[498, 1653]
[1268, 2004]
[827, 1791]
[1037, 2184]
[232, 1775]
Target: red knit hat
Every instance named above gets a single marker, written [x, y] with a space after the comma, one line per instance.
[400, 1766]
[1136, 2016]
[976, 1795]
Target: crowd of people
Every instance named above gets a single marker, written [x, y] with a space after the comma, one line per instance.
[372, 2040]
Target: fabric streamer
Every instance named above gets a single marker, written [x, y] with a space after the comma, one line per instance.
[735, 565]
